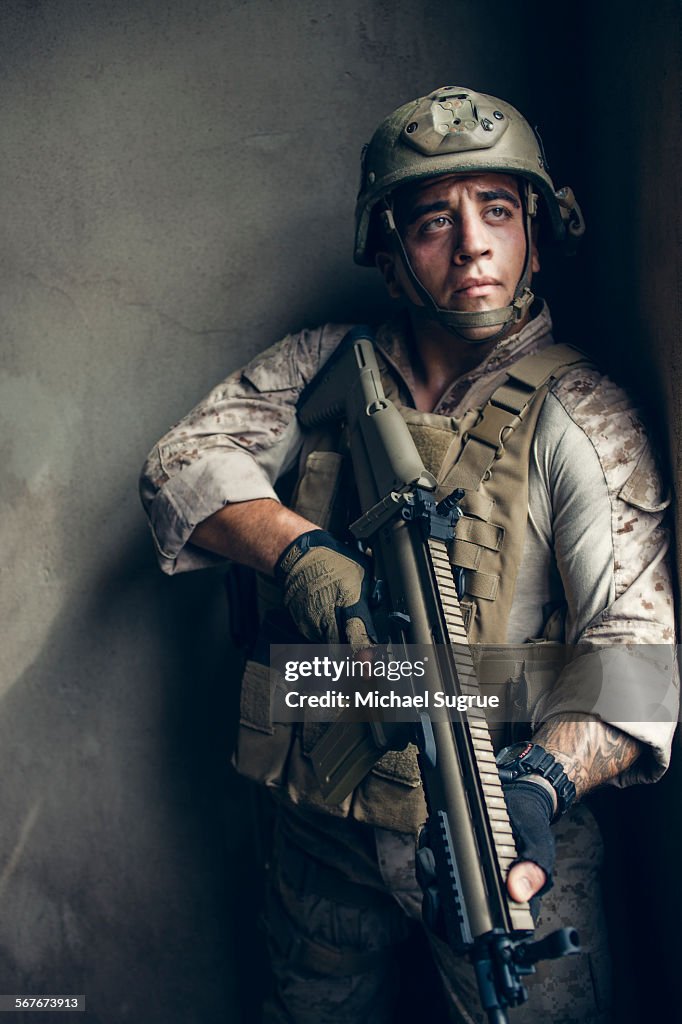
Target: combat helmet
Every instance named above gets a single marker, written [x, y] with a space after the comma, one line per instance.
[457, 130]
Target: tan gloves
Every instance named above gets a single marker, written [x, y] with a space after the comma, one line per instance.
[326, 590]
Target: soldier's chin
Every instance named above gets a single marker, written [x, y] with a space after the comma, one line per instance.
[477, 335]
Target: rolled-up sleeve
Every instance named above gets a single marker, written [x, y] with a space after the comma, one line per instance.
[232, 447]
[612, 550]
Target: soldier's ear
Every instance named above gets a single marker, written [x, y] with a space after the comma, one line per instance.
[386, 265]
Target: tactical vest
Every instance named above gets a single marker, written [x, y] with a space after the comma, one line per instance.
[486, 452]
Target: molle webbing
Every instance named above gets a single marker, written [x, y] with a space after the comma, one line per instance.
[468, 453]
[484, 443]
[487, 453]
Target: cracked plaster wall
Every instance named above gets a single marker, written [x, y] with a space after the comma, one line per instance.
[176, 192]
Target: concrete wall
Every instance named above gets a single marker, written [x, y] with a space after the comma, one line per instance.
[176, 192]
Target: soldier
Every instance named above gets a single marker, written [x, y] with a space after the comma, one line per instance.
[452, 188]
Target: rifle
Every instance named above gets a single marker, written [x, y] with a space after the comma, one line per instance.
[467, 845]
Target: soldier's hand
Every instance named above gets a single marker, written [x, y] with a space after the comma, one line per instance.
[326, 590]
[530, 812]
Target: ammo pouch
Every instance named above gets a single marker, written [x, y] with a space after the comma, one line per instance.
[487, 453]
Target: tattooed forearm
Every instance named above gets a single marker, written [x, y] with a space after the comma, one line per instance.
[591, 751]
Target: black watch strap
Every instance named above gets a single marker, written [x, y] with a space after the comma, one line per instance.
[532, 759]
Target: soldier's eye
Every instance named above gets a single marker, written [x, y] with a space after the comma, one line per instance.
[498, 212]
[435, 224]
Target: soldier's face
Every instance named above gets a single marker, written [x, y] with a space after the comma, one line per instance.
[465, 239]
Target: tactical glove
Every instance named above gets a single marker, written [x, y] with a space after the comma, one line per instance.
[530, 813]
[326, 590]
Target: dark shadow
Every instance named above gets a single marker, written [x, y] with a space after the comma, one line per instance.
[135, 832]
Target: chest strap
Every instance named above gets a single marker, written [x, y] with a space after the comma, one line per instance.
[484, 443]
[479, 540]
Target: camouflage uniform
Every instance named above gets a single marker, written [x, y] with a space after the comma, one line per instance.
[333, 940]
[594, 541]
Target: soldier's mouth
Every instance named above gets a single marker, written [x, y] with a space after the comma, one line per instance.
[474, 286]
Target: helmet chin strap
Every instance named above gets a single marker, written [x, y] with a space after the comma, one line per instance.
[456, 321]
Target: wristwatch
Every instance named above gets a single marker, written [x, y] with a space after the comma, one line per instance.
[528, 758]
